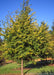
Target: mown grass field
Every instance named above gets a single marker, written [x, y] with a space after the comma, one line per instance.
[9, 68]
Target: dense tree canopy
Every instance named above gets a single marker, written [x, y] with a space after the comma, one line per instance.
[52, 40]
[24, 38]
[19, 35]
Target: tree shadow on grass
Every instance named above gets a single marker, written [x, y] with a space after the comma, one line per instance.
[39, 64]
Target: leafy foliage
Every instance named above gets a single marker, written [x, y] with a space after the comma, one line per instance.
[23, 38]
[19, 34]
[52, 40]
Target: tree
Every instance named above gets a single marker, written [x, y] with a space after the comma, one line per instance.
[1, 52]
[0, 44]
[0, 37]
[44, 46]
[52, 40]
[18, 35]
[53, 30]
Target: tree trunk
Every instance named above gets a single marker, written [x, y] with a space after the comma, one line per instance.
[21, 66]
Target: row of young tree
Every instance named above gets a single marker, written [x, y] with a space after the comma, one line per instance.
[24, 38]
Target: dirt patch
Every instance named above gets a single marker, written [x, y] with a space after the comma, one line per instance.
[51, 65]
[23, 69]
[44, 59]
[10, 61]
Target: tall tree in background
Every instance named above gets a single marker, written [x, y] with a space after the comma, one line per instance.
[52, 39]
[53, 29]
[1, 57]
[44, 41]
[0, 37]
[0, 44]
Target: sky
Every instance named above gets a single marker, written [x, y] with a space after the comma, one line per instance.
[44, 9]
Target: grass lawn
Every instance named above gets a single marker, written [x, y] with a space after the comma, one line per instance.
[5, 69]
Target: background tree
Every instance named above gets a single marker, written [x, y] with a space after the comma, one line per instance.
[1, 52]
[44, 47]
[52, 40]
[0, 44]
